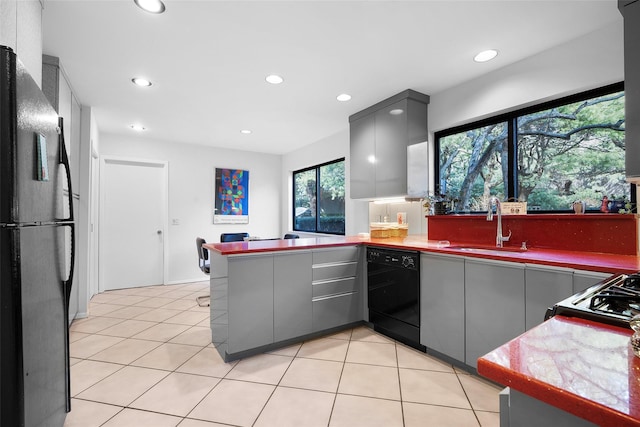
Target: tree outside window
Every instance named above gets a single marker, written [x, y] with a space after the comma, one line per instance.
[318, 198]
[549, 156]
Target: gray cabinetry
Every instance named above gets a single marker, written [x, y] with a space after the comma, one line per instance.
[631, 12]
[379, 137]
[495, 303]
[583, 279]
[291, 295]
[544, 286]
[362, 157]
[336, 284]
[442, 304]
[250, 302]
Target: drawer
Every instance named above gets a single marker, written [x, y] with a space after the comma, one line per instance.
[334, 271]
[334, 286]
[335, 255]
[337, 310]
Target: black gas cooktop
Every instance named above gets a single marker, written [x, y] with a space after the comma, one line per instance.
[613, 301]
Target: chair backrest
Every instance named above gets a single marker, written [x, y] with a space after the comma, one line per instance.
[291, 236]
[203, 255]
[233, 237]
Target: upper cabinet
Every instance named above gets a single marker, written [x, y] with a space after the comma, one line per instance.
[380, 139]
[631, 12]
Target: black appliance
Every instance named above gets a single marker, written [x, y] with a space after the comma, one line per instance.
[36, 244]
[613, 301]
[393, 278]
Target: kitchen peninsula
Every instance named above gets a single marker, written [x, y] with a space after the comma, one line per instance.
[269, 294]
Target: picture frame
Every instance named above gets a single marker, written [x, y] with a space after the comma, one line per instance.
[231, 195]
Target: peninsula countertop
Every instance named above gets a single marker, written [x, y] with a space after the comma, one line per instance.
[585, 368]
[589, 261]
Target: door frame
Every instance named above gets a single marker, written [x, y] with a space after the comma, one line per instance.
[131, 161]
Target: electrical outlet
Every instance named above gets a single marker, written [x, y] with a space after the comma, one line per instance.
[175, 221]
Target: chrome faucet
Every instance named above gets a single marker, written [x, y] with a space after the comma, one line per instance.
[499, 237]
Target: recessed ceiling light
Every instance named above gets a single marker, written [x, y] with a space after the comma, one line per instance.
[396, 111]
[141, 81]
[245, 131]
[152, 6]
[486, 55]
[343, 97]
[138, 128]
[274, 79]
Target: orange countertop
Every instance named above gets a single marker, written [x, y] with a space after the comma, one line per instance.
[590, 261]
[585, 368]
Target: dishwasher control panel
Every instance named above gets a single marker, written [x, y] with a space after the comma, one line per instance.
[396, 258]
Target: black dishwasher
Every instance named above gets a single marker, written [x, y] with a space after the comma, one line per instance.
[393, 283]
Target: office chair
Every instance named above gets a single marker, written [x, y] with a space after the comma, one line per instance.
[291, 236]
[205, 266]
[203, 256]
[233, 237]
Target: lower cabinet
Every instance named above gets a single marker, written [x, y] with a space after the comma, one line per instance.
[250, 302]
[545, 286]
[292, 295]
[336, 283]
[583, 279]
[442, 310]
[495, 304]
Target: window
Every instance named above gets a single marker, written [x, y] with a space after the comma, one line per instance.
[318, 198]
[549, 155]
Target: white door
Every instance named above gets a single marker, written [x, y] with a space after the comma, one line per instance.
[132, 223]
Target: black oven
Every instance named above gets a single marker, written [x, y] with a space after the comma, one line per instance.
[393, 278]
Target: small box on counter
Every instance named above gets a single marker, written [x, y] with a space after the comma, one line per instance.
[383, 230]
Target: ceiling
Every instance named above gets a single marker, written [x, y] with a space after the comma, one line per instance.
[208, 59]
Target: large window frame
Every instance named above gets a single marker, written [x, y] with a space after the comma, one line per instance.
[319, 225]
[510, 119]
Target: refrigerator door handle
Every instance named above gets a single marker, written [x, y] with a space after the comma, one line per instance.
[63, 159]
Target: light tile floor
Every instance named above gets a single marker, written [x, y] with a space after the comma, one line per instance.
[144, 357]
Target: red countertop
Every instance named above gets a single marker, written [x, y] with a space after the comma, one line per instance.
[590, 261]
[585, 368]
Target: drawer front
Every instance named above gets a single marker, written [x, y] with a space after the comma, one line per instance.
[335, 286]
[335, 255]
[334, 271]
[337, 310]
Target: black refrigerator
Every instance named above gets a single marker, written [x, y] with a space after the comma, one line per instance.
[36, 253]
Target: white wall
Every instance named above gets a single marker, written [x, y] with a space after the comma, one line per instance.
[191, 194]
[325, 150]
[592, 61]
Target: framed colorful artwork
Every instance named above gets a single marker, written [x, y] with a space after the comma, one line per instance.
[231, 196]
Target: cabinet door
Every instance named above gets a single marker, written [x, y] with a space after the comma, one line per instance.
[291, 295]
[250, 302]
[362, 157]
[631, 13]
[495, 308]
[544, 287]
[583, 279]
[442, 304]
[391, 150]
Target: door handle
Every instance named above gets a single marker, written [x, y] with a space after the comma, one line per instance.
[159, 232]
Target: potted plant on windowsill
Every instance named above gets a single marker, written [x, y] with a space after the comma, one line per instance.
[438, 204]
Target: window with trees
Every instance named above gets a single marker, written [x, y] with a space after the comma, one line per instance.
[549, 155]
[318, 198]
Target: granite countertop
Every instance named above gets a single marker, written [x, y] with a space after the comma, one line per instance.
[590, 261]
[585, 368]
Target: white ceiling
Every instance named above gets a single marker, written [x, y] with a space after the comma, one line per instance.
[208, 59]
